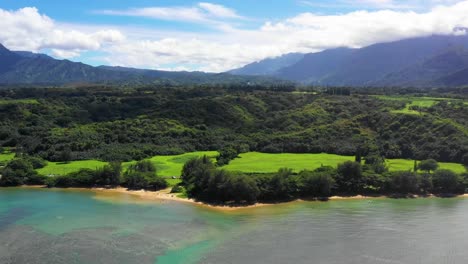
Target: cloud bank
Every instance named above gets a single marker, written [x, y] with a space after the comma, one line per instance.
[228, 45]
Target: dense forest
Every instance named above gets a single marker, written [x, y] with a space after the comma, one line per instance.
[114, 124]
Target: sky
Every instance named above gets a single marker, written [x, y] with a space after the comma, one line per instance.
[215, 36]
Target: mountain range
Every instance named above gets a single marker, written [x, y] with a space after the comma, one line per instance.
[426, 61]
[21, 67]
[437, 60]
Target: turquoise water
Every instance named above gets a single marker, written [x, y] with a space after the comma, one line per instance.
[54, 226]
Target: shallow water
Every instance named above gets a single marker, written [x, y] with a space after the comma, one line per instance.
[54, 226]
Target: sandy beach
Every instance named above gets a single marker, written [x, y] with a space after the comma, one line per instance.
[166, 195]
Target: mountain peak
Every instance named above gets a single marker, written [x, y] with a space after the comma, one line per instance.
[3, 50]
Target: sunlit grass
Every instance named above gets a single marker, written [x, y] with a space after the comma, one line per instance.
[403, 165]
[255, 162]
[61, 168]
[18, 101]
[171, 166]
[7, 156]
[422, 102]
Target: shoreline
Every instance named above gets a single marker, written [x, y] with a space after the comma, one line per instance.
[165, 195]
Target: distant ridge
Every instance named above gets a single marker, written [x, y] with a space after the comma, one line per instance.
[22, 67]
[269, 66]
[437, 60]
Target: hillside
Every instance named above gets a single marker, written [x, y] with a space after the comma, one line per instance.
[130, 124]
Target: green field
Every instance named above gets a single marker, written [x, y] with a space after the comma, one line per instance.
[254, 162]
[169, 166]
[5, 157]
[60, 168]
[402, 164]
[19, 101]
[414, 101]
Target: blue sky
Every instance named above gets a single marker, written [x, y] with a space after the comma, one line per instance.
[214, 35]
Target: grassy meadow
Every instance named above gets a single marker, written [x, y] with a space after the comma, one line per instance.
[6, 156]
[403, 164]
[18, 101]
[266, 163]
[168, 166]
[61, 168]
[254, 162]
[421, 102]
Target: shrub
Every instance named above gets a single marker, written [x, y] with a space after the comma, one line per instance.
[349, 177]
[428, 165]
[447, 181]
[18, 172]
[142, 175]
[37, 162]
[316, 183]
[404, 182]
[177, 189]
[81, 178]
[226, 155]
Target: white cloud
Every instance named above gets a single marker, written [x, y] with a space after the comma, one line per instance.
[202, 13]
[305, 32]
[65, 54]
[366, 4]
[228, 46]
[188, 14]
[219, 10]
[27, 29]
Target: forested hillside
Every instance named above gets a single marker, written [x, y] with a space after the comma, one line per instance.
[131, 124]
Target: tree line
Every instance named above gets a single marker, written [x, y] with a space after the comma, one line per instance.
[202, 180]
[141, 175]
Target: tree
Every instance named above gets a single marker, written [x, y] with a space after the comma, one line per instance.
[196, 175]
[226, 154]
[405, 182]
[358, 157]
[243, 189]
[37, 162]
[426, 184]
[349, 178]
[18, 172]
[81, 178]
[282, 184]
[377, 163]
[109, 175]
[428, 165]
[144, 166]
[465, 160]
[447, 181]
[316, 183]
[65, 155]
[142, 175]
